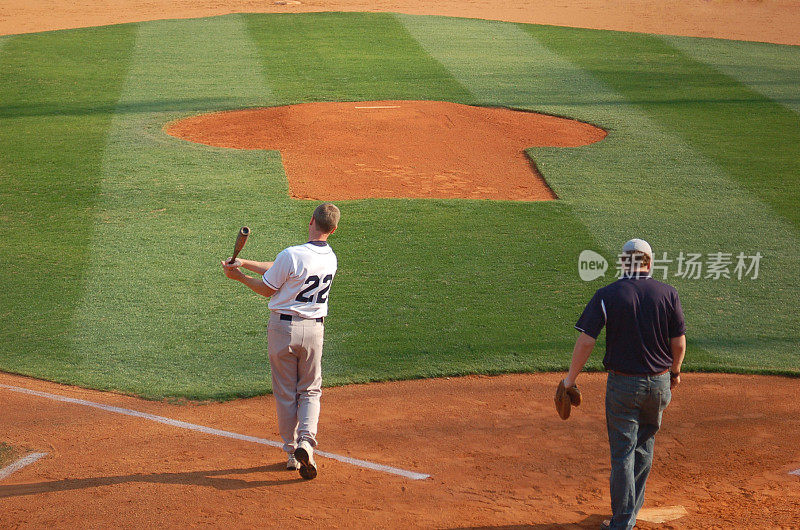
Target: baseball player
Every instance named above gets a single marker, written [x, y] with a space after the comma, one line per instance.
[298, 284]
[645, 348]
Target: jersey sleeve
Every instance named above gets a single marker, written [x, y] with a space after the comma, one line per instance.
[277, 275]
[593, 318]
[677, 325]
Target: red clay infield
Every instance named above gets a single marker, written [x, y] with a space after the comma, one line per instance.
[496, 451]
[396, 149]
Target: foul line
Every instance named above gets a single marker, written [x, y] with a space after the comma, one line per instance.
[795, 472]
[19, 464]
[216, 432]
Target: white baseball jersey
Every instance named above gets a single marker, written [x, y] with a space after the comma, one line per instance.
[302, 277]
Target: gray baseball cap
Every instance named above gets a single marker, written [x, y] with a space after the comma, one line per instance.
[638, 245]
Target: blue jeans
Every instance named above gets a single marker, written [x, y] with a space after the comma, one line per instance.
[633, 417]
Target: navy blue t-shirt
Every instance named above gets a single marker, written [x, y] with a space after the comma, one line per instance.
[640, 315]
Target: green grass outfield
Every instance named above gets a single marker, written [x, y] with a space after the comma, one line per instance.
[112, 231]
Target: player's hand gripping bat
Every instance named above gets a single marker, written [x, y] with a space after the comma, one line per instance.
[241, 239]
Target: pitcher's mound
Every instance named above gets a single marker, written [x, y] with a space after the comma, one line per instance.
[397, 149]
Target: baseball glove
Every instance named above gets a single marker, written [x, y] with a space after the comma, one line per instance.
[566, 398]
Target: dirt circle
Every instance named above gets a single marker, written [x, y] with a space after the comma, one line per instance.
[397, 149]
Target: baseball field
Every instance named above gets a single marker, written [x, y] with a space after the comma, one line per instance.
[130, 155]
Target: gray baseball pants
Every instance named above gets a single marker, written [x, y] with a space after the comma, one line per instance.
[295, 360]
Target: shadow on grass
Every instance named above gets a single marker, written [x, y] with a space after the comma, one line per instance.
[216, 104]
[88, 109]
[213, 479]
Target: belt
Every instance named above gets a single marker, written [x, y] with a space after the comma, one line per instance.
[292, 317]
[615, 372]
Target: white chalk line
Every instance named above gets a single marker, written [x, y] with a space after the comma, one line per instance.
[19, 464]
[381, 107]
[795, 472]
[216, 432]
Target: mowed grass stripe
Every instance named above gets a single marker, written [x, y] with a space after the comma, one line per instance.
[157, 317]
[434, 288]
[638, 164]
[348, 57]
[488, 59]
[646, 179]
[752, 138]
[772, 70]
[57, 95]
[500, 65]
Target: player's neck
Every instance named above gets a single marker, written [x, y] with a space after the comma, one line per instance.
[314, 235]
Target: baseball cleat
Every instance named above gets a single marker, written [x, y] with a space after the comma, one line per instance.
[292, 463]
[305, 456]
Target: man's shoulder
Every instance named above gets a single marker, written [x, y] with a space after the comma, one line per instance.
[662, 286]
[309, 249]
[646, 282]
[302, 247]
[610, 288]
[293, 249]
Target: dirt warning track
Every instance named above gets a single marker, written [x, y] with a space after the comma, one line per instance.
[494, 448]
[768, 21]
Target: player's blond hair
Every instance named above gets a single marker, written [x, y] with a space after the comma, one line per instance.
[327, 215]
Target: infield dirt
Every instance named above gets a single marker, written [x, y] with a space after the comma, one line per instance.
[396, 149]
[496, 451]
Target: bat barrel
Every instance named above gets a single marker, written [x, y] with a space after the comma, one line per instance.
[241, 239]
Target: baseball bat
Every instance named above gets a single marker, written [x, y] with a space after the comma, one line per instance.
[241, 239]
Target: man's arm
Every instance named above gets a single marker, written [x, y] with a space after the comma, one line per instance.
[254, 283]
[259, 267]
[678, 347]
[580, 354]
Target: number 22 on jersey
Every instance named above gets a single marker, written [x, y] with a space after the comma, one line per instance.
[315, 288]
